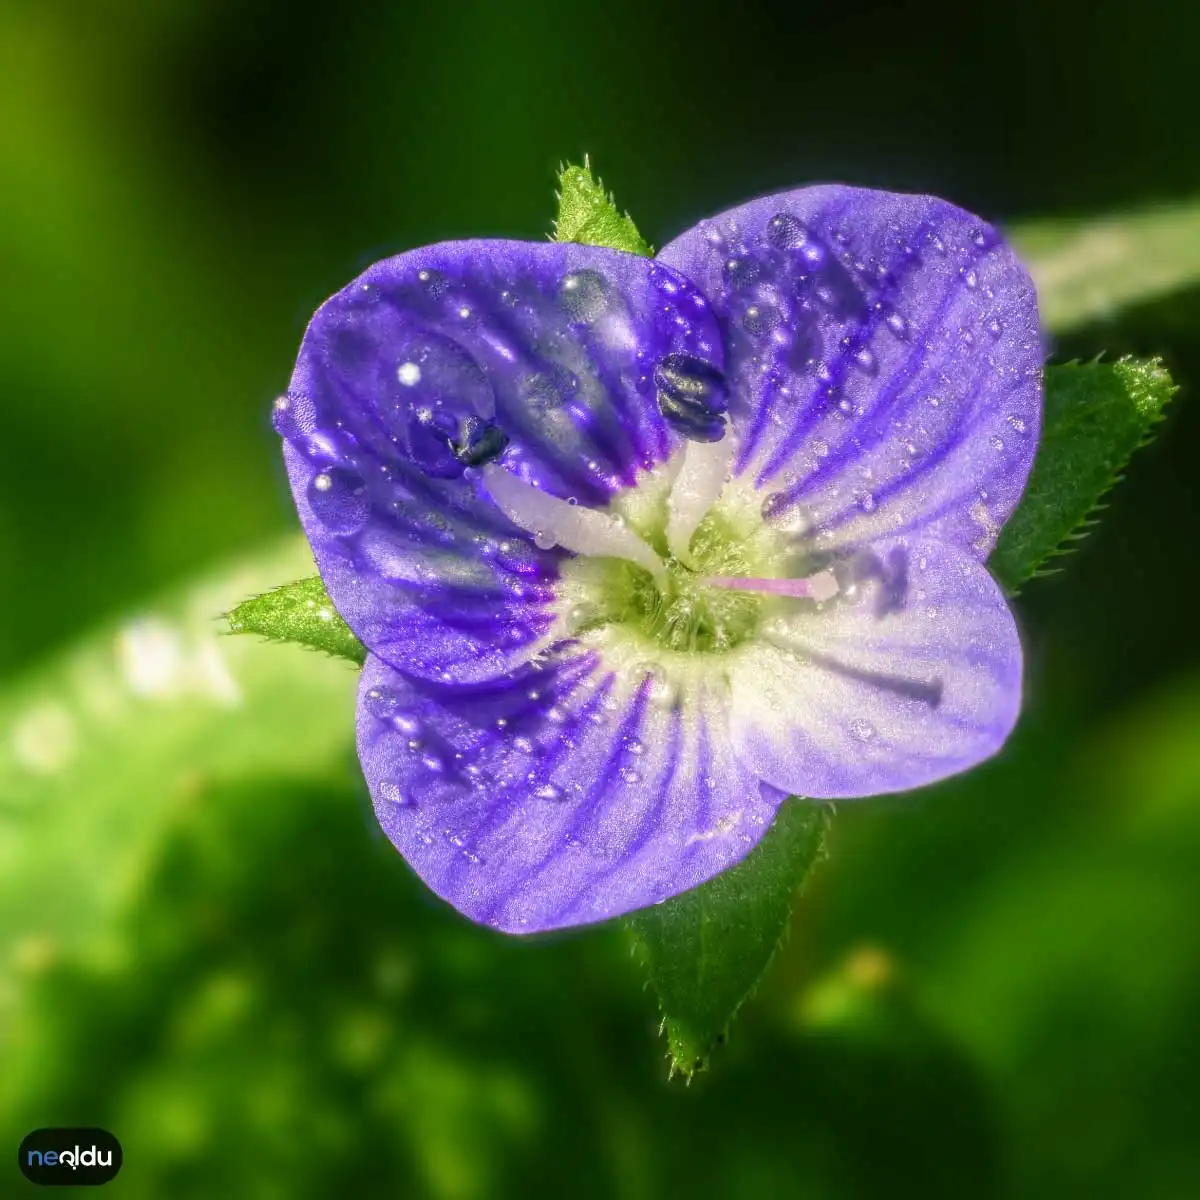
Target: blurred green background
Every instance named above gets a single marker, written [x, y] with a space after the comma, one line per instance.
[993, 987]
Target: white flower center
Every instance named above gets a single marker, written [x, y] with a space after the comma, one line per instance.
[684, 561]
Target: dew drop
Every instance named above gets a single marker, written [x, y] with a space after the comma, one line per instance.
[785, 232]
[867, 361]
[293, 417]
[897, 324]
[409, 374]
[866, 502]
[339, 500]
[382, 703]
[997, 443]
[995, 328]
[635, 747]
[435, 761]
[434, 282]
[407, 722]
[741, 272]
[1018, 423]
[861, 729]
[391, 793]
[630, 775]
[523, 744]
[782, 515]
[543, 539]
[583, 295]
[759, 319]
[970, 277]
[549, 791]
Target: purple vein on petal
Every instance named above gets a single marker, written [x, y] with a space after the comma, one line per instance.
[879, 422]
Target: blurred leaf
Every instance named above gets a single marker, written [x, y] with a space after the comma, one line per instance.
[1075, 971]
[1086, 270]
[105, 744]
[1096, 416]
[707, 949]
[588, 214]
[299, 612]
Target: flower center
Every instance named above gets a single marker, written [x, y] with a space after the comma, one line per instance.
[684, 562]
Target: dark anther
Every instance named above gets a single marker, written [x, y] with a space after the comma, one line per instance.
[480, 443]
[692, 396]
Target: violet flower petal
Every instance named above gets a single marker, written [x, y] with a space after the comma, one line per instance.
[910, 675]
[561, 795]
[883, 358]
[538, 356]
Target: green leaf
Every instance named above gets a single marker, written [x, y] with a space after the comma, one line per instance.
[1089, 270]
[707, 949]
[1096, 416]
[113, 741]
[588, 214]
[298, 612]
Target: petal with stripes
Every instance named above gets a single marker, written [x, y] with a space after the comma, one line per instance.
[560, 794]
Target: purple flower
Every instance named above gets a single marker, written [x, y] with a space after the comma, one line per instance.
[641, 547]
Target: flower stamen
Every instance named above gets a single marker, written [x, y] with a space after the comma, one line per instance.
[700, 482]
[820, 587]
[574, 527]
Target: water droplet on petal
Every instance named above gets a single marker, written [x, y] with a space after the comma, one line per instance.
[294, 417]
[995, 328]
[897, 324]
[549, 791]
[382, 702]
[741, 272]
[866, 361]
[997, 443]
[391, 793]
[970, 277]
[1018, 423]
[861, 729]
[783, 515]
[760, 319]
[785, 231]
[409, 374]
[405, 721]
[583, 295]
[544, 539]
[434, 760]
[339, 500]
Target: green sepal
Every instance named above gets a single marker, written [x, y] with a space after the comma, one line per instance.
[298, 612]
[588, 214]
[706, 950]
[1096, 416]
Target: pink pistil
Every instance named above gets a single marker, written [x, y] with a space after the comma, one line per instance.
[822, 586]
